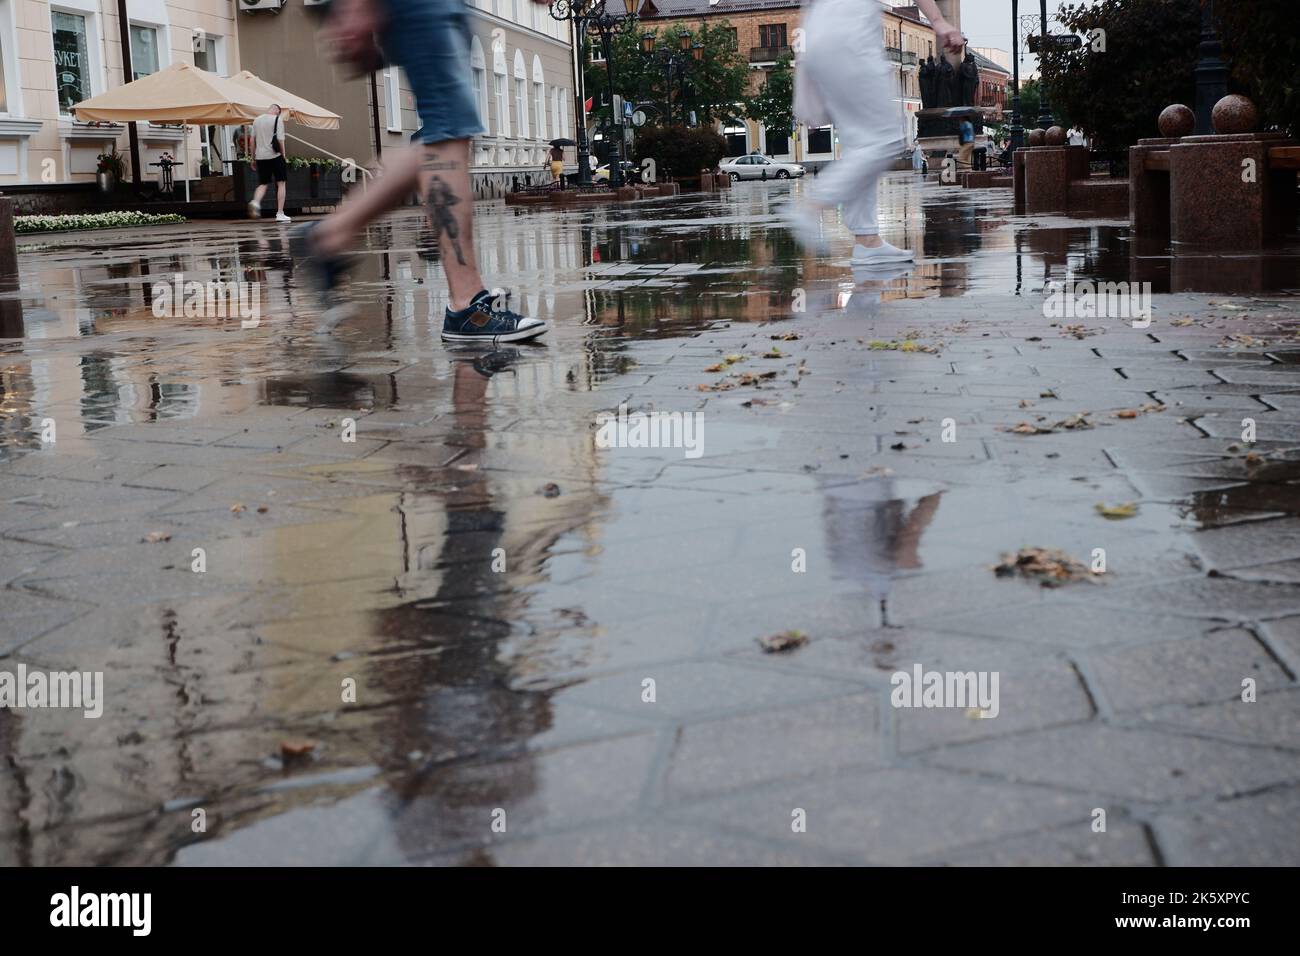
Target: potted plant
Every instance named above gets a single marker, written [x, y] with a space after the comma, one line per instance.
[110, 170]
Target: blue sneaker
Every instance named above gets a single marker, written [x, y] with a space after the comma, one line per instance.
[487, 319]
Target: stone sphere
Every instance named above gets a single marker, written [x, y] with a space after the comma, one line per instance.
[1036, 137]
[1234, 114]
[1176, 121]
[1055, 136]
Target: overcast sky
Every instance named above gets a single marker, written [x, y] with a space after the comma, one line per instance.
[988, 23]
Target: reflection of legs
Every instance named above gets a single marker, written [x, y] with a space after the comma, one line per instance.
[441, 173]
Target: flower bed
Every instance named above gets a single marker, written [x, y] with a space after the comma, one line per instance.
[92, 220]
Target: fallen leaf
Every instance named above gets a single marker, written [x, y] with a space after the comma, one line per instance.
[297, 748]
[1048, 566]
[154, 537]
[785, 641]
[237, 508]
[1116, 512]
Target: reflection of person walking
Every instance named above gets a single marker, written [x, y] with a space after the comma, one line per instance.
[843, 78]
[429, 39]
[269, 163]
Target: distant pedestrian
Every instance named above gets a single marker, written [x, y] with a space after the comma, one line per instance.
[844, 79]
[1076, 136]
[557, 163]
[918, 157]
[269, 163]
[966, 141]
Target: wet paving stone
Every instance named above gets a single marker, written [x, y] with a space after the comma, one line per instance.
[479, 612]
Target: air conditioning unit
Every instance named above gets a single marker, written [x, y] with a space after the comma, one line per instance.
[260, 6]
[316, 3]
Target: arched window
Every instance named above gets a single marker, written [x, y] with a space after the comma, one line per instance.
[499, 91]
[478, 69]
[539, 96]
[521, 94]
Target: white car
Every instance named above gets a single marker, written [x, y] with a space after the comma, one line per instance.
[755, 166]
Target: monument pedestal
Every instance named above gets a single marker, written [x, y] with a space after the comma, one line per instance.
[1047, 175]
[1148, 194]
[1222, 192]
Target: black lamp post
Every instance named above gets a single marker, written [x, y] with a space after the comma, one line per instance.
[680, 61]
[593, 17]
[1016, 131]
[1044, 110]
[1211, 71]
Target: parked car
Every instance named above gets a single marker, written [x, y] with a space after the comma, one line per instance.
[601, 175]
[755, 166]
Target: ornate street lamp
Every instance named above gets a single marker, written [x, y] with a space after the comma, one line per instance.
[681, 61]
[592, 18]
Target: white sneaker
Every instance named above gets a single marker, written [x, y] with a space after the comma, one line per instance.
[883, 253]
[254, 210]
[281, 217]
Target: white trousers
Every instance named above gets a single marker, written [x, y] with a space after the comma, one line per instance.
[845, 78]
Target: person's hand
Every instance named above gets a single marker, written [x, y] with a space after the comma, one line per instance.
[949, 36]
[351, 33]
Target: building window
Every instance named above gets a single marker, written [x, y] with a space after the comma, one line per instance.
[733, 37]
[71, 59]
[144, 51]
[480, 96]
[539, 107]
[521, 104]
[564, 114]
[393, 99]
[4, 90]
[503, 105]
[771, 35]
[597, 52]
[204, 59]
[819, 140]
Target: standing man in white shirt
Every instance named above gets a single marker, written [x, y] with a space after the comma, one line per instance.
[269, 162]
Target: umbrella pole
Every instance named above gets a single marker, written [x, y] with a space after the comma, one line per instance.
[187, 161]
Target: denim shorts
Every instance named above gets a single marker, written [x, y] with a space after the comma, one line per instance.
[429, 40]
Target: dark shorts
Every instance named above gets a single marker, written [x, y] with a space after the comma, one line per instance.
[429, 39]
[269, 170]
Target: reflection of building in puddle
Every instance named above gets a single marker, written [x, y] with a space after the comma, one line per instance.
[873, 531]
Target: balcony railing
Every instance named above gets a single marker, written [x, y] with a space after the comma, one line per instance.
[761, 54]
[898, 55]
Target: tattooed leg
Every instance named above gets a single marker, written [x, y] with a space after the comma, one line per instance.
[449, 202]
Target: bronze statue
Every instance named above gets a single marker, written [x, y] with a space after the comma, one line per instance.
[970, 80]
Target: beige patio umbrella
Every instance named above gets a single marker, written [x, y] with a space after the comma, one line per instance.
[181, 93]
[294, 107]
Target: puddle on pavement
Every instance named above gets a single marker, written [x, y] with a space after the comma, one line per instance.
[469, 577]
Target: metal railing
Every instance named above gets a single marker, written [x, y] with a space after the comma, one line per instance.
[345, 160]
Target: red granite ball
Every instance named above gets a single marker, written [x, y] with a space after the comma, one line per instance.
[1234, 114]
[1055, 136]
[1036, 137]
[1176, 121]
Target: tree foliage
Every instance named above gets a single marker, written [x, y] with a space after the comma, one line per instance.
[713, 86]
[1115, 94]
[678, 151]
[773, 103]
[1261, 41]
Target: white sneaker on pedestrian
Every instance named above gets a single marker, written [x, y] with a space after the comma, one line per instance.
[254, 210]
[883, 253]
[281, 217]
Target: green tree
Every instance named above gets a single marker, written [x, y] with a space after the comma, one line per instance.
[714, 85]
[1030, 98]
[773, 103]
[1262, 46]
[1115, 94]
